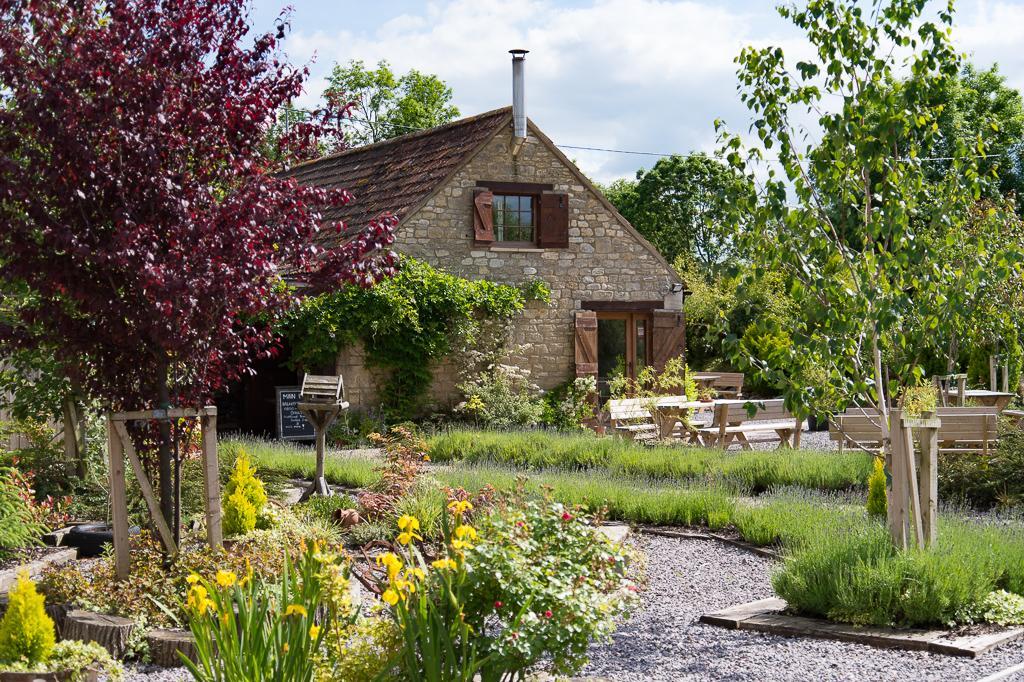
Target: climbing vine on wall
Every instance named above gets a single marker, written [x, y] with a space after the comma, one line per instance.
[406, 324]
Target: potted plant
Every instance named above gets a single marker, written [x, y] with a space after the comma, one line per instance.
[706, 394]
[920, 401]
[29, 652]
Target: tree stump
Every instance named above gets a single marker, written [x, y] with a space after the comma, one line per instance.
[110, 632]
[164, 646]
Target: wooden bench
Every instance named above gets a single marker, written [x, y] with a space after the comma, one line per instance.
[963, 430]
[632, 417]
[732, 423]
[727, 384]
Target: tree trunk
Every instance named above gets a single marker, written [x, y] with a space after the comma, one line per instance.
[110, 632]
[164, 449]
[72, 455]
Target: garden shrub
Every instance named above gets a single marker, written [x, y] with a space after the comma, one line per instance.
[501, 397]
[26, 632]
[1002, 608]
[244, 498]
[19, 526]
[239, 514]
[986, 481]
[877, 502]
[406, 323]
[569, 404]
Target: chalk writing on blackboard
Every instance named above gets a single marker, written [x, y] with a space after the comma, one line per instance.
[292, 424]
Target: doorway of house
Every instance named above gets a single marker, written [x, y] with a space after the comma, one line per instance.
[623, 346]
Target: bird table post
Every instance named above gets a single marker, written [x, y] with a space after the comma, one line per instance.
[321, 400]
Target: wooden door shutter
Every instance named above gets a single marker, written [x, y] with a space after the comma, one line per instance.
[553, 229]
[586, 343]
[669, 337]
[483, 216]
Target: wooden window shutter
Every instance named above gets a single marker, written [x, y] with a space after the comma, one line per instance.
[586, 343]
[553, 229]
[483, 216]
[669, 336]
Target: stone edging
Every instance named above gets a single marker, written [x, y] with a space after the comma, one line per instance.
[768, 615]
[34, 568]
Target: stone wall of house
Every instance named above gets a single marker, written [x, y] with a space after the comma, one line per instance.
[604, 262]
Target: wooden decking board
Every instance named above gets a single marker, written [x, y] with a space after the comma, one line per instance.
[767, 615]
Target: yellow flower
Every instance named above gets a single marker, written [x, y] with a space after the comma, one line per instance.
[459, 507]
[314, 631]
[447, 564]
[295, 609]
[415, 573]
[192, 579]
[426, 458]
[405, 585]
[390, 596]
[224, 618]
[459, 545]
[408, 523]
[392, 562]
[463, 532]
[407, 537]
[285, 648]
[226, 578]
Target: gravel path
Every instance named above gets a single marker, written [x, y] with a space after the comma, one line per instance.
[664, 641]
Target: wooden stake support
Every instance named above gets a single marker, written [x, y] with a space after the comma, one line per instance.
[913, 490]
[119, 444]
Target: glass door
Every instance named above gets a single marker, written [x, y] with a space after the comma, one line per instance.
[623, 346]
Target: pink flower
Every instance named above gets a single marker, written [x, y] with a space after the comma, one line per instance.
[547, 614]
[566, 516]
[498, 604]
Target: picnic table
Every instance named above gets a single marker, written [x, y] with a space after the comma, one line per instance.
[672, 412]
[997, 399]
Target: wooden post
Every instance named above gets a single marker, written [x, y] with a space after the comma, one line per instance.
[929, 482]
[993, 362]
[121, 432]
[211, 477]
[916, 526]
[118, 501]
[897, 508]
[1006, 377]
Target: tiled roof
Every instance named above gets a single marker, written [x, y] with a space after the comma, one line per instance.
[397, 175]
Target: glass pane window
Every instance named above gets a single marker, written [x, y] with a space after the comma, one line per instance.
[513, 218]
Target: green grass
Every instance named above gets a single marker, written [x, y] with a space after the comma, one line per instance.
[298, 461]
[753, 471]
[838, 561]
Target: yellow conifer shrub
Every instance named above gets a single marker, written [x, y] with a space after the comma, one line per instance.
[26, 632]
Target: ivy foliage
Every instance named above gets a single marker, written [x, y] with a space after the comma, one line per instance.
[406, 324]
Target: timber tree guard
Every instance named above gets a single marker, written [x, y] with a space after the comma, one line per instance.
[321, 399]
[120, 444]
[913, 487]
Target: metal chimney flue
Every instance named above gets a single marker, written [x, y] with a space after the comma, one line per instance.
[519, 93]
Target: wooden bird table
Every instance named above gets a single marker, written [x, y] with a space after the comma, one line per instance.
[321, 400]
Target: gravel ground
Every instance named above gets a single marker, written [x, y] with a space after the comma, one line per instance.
[664, 641]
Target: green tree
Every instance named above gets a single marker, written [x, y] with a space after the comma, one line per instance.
[979, 105]
[386, 105]
[680, 206]
[859, 275]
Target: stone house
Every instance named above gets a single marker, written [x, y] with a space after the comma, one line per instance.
[480, 201]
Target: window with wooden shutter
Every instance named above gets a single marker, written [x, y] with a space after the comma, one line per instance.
[553, 230]
[483, 217]
[586, 343]
[669, 337]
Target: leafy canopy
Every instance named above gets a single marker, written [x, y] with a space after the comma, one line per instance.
[138, 214]
[384, 105]
[680, 206]
[850, 212]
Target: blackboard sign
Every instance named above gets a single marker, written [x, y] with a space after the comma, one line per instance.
[292, 424]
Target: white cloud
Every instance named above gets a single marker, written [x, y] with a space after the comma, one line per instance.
[629, 74]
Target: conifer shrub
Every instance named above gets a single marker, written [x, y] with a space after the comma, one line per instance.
[244, 498]
[877, 503]
[26, 632]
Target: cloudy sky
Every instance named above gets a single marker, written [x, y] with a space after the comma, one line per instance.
[643, 75]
